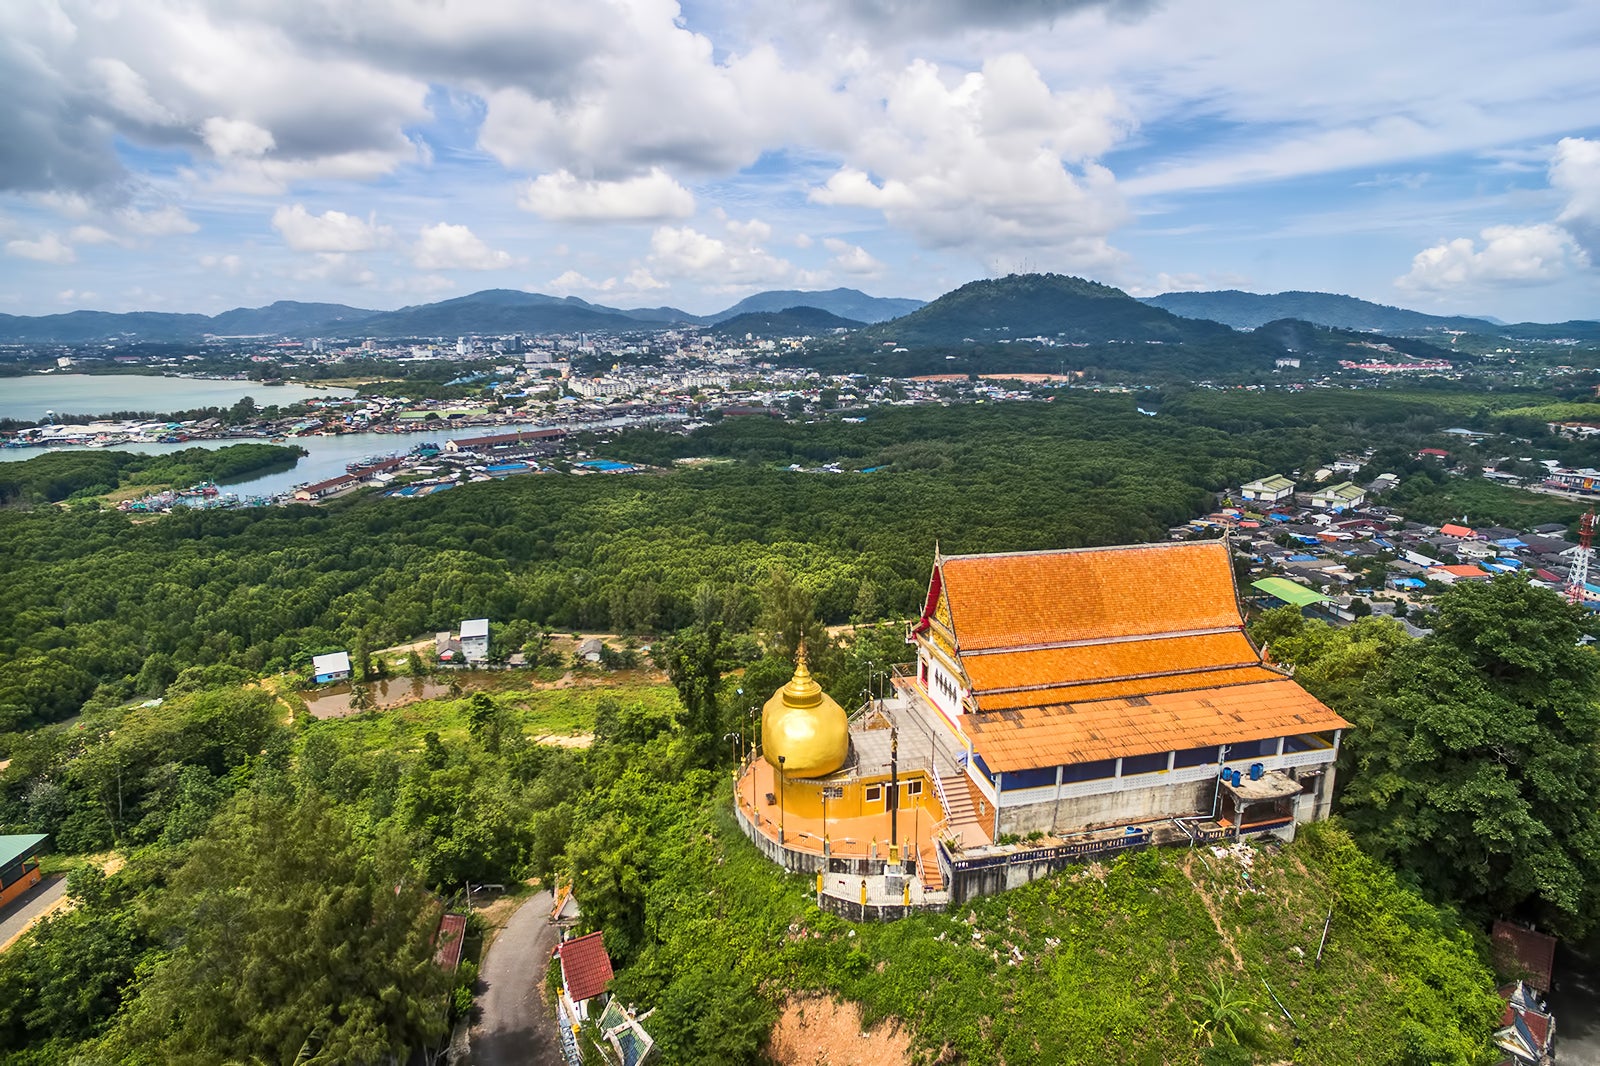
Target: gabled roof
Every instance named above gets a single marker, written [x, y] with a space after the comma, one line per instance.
[585, 966]
[1026, 599]
[1270, 483]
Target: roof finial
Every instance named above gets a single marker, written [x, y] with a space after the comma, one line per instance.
[937, 557]
[802, 689]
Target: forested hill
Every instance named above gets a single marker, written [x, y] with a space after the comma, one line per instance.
[846, 303]
[1248, 310]
[790, 322]
[1053, 306]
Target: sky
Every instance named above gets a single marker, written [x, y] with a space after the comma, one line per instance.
[199, 155]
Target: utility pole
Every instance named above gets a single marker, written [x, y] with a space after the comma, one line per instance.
[781, 760]
[894, 790]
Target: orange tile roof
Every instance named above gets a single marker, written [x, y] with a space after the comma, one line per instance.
[1079, 732]
[1124, 688]
[1028, 598]
[1108, 661]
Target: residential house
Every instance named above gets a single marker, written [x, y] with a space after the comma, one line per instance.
[334, 666]
[585, 971]
[1450, 575]
[475, 640]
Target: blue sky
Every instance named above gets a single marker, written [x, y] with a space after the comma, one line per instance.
[198, 156]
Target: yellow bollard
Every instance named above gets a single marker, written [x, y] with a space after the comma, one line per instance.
[863, 891]
[908, 893]
[819, 888]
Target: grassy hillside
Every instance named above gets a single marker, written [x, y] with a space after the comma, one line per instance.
[1122, 962]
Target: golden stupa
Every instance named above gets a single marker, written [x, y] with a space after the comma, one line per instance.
[802, 724]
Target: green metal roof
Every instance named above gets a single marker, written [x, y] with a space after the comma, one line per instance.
[1271, 483]
[1289, 591]
[13, 848]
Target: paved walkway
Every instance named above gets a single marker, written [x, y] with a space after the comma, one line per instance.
[515, 1028]
[22, 913]
[1575, 1001]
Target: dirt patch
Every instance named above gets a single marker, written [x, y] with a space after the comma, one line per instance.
[819, 1031]
[572, 740]
[1211, 909]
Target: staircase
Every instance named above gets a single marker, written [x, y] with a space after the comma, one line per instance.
[928, 869]
[961, 810]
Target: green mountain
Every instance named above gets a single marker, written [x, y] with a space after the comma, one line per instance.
[846, 303]
[1248, 310]
[790, 322]
[285, 317]
[84, 327]
[1052, 306]
[1308, 340]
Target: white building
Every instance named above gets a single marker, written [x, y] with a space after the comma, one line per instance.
[475, 640]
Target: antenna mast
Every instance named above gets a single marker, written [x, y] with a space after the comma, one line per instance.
[1578, 577]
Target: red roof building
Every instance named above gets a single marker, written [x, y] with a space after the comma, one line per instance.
[1529, 954]
[448, 942]
[585, 969]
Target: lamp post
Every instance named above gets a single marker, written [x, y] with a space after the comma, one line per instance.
[781, 760]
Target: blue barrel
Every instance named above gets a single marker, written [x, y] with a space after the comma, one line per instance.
[1236, 776]
[1256, 770]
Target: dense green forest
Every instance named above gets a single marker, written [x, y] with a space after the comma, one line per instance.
[100, 602]
[246, 826]
[62, 475]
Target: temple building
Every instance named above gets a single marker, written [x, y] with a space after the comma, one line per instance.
[1062, 705]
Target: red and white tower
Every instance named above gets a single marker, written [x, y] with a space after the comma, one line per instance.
[1578, 576]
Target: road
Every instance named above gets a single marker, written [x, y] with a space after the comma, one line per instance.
[1575, 1001]
[19, 914]
[514, 1027]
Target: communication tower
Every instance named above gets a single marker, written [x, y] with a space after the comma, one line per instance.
[1578, 577]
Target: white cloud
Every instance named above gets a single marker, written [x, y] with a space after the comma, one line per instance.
[636, 283]
[1509, 255]
[47, 249]
[165, 221]
[331, 231]
[336, 268]
[1575, 172]
[447, 247]
[227, 264]
[235, 137]
[851, 258]
[993, 160]
[722, 264]
[89, 235]
[651, 197]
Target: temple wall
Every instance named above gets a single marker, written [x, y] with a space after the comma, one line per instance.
[1107, 808]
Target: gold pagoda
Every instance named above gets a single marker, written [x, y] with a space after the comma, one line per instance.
[804, 732]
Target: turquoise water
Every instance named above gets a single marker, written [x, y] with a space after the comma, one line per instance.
[28, 398]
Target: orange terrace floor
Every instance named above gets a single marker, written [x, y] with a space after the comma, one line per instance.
[847, 837]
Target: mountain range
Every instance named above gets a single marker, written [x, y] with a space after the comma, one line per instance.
[1251, 310]
[1063, 309]
[492, 311]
